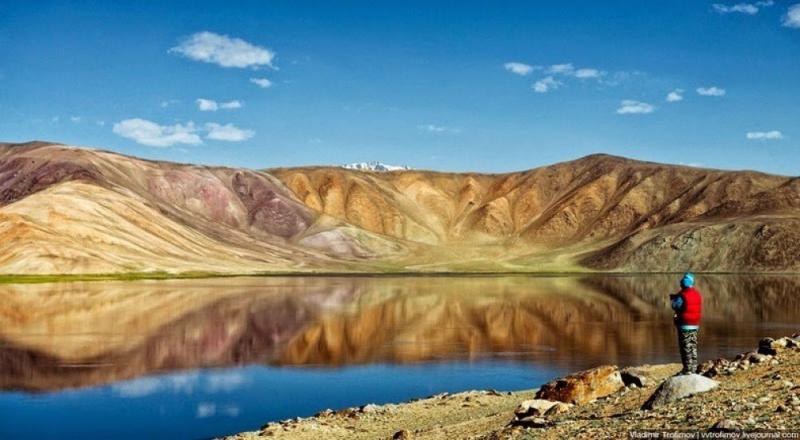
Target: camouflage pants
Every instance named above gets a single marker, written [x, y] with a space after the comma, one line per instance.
[687, 342]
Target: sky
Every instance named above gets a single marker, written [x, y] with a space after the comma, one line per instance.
[466, 86]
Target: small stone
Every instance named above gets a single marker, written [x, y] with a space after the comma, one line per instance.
[780, 343]
[633, 376]
[777, 376]
[558, 408]
[781, 409]
[771, 346]
[726, 425]
[774, 362]
[787, 384]
[369, 408]
[758, 358]
[533, 408]
[324, 413]
[764, 399]
[532, 422]
[401, 435]
[348, 412]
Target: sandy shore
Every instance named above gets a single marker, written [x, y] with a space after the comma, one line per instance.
[763, 395]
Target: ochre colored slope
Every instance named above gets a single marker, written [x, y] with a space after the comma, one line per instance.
[588, 199]
[596, 213]
[72, 210]
[611, 213]
[75, 227]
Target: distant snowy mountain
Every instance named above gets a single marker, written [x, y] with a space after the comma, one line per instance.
[374, 166]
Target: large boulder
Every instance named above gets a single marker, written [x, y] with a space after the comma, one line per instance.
[584, 386]
[679, 387]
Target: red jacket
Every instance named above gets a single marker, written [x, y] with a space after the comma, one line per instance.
[692, 309]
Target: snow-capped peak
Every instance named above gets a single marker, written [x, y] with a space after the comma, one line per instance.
[374, 166]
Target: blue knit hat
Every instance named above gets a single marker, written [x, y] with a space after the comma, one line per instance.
[687, 280]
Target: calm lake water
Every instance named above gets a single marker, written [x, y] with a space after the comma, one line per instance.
[197, 359]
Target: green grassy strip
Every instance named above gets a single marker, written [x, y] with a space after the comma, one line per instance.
[132, 276]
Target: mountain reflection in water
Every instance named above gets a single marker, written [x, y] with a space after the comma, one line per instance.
[69, 335]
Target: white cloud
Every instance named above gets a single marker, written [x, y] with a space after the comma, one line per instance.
[675, 95]
[792, 17]
[150, 133]
[210, 409]
[224, 51]
[711, 91]
[563, 72]
[546, 84]
[75, 119]
[630, 107]
[206, 105]
[180, 383]
[565, 68]
[743, 8]
[438, 128]
[205, 410]
[764, 135]
[168, 102]
[209, 105]
[140, 387]
[225, 382]
[261, 82]
[231, 410]
[230, 105]
[588, 73]
[227, 132]
[519, 68]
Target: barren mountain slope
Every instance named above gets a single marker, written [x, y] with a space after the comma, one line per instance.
[587, 199]
[73, 210]
[77, 210]
[624, 214]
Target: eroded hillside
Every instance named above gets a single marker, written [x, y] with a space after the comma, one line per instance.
[76, 210]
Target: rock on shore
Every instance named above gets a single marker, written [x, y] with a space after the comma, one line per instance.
[749, 396]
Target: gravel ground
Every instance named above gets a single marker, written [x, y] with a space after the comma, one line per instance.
[750, 396]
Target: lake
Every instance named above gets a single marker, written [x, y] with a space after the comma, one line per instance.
[202, 358]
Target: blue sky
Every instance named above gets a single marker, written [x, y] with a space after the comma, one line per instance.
[424, 84]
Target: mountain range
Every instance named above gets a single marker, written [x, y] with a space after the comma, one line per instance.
[374, 166]
[70, 210]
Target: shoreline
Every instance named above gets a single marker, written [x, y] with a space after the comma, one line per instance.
[137, 276]
[758, 389]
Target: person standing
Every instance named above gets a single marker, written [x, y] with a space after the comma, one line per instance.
[688, 307]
